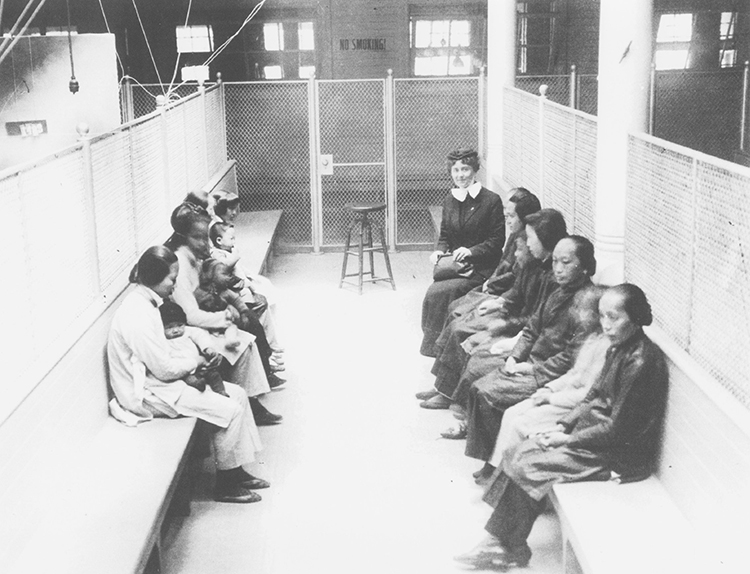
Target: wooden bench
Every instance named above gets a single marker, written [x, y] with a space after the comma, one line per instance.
[256, 235]
[690, 516]
[436, 214]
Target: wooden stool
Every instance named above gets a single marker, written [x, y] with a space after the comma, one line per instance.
[362, 226]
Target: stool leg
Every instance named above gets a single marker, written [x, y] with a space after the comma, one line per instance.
[385, 256]
[361, 253]
[369, 244]
[346, 254]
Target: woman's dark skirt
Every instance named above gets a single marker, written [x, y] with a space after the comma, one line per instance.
[438, 298]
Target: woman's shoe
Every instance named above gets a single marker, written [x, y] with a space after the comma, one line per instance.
[262, 416]
[426, 395]
[436, 402]
[236, 493]
[483, 555]
[517, 557]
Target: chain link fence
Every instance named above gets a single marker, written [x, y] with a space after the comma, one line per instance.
[268, 133]
[80, 217]
[558, 89]
[432, 117]
[687, 242]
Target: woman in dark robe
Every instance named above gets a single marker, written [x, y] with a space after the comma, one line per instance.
[545, 351]
[472, 230]
[614, 432]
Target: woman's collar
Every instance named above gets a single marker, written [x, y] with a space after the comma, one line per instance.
[151, 295]
[473, 190]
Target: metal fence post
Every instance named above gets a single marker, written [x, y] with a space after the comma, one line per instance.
[573, 92]
[652, 101]
[90, 202]
[315, 181]
[543, 93]
[743, 115]
[204, 129]
[481, 115]
[223, 108]
[126, 93]
[165, 151]
[390, 161]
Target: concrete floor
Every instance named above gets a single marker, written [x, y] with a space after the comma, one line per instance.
[361, 481]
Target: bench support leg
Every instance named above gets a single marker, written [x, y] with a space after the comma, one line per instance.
[153, 566]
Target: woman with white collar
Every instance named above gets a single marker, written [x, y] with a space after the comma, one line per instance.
[472, 232]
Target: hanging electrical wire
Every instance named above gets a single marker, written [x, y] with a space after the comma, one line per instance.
[177, 61]
[221, 48]
[73, 85]
[4, 54]
[148, 45]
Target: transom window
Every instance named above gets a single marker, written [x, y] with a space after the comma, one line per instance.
[194, 39]
[281, 48]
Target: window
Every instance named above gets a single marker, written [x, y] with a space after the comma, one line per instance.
[60, 30]
[728, 38]
[536, 24]
[282, 47]
[438, 46]
[673, 38]
[449, 41]
[194, 39]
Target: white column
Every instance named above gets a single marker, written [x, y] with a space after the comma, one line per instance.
[501, 72]
[625, 55]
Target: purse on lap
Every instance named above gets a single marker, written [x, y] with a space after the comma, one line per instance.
[447, 268]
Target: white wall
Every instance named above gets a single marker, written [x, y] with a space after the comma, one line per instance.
[34, 86]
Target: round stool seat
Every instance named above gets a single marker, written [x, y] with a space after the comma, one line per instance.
[364, 207]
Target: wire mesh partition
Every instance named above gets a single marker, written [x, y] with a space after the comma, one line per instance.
[687, 240]
[143, 96]
[268, 133]
[558, 89]
[352, 130]
[432, 117]
[79, 218]
[551, 150]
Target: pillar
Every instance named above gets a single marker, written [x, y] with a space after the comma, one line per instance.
[625, 55]
[501, 72]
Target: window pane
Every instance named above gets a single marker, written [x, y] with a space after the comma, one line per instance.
[728, 58]
[460, 33]
[273, 36]
[728, 20]
[675, 28]
[440, 31]
[671, 59]
[306, 71]
[422, 34]
[272, 72]
[431, 65]
[194, 39]
[306, 36]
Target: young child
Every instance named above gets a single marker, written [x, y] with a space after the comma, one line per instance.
[214, 294]
[223, 239]
[186, 341]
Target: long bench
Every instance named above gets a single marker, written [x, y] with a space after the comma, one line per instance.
[690, 516]
[80, 492]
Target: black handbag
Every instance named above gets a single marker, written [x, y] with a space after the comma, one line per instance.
[447, 268]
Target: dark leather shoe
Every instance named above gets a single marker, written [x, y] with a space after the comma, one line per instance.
[483, 554]
[254, 483]
[512, 558]
[262, 416]
[426, 395]
[436, 402]
[238, 494]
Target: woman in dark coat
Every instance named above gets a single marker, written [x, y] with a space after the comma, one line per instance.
[473, 230]
[616, 428]
[545, 351]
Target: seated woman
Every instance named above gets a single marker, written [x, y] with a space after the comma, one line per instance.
[545, 351]
[472, 232]
[190, 244]
[532, 285]
[148, 380]
[615, 430]
[521, 204]
[540, 412]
